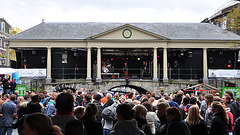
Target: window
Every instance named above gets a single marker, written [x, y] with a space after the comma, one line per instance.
[224, 23]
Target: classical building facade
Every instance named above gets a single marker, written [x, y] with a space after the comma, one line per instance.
[5, 28]
[94, 51]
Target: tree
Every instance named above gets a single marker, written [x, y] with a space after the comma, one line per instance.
[232, 22]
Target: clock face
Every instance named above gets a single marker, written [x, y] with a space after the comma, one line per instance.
[127, 33]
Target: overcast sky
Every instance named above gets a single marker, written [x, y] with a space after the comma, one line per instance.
[27, 13]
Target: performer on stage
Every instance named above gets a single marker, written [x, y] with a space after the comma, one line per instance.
[144, 69]
[125, 70]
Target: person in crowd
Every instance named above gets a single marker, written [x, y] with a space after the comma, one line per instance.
[34, 105]
[74, 127]
[20, 100]
[79, 98]
[22, 110]
[230, 116]
[125, 70]
[75, 102]
[104, 99]
[13, 86]
[183, 105]
[25, 109]
[93, 127]
[45, 94]
[161, 113]
[116, 98]
[107, 124]
[126, 125]
[234, 104]
[109, 100]
[79, 112]
[151, 101]
[97, 101]
[206, 103]
[64, 106]
[4, 84]
[195, 121]
[51, 109]
[122, 99]
[39, 124]
[175, 124]
[1, 100]
[206, 110]
[219, 123]
[151, 117]
[178, 97]
[237, 126]
[7, 87]
[87, 99]
[1, 87]
[226, 98]
[171, 103]
[140, 116]
[9, 111]
[192, 101]
[200, 97]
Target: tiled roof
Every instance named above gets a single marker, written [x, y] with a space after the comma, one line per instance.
[172, 31]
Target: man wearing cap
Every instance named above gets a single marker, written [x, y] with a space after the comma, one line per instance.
[97, 101]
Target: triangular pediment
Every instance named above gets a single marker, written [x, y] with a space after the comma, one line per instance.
[128, 32]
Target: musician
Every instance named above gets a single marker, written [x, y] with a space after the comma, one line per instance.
[125, 70]
[144, 68]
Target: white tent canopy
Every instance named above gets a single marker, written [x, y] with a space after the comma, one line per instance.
[7, 70]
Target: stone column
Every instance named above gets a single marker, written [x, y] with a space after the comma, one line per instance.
[205, 66]
[165, 69]
[155, 78]
[49, 67]
[89, 59]
[99, 78]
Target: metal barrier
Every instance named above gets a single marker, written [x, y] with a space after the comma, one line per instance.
[131, 73]
[185, 73]
[69, 73]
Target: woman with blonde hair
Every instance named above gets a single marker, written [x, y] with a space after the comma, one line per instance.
[39, 124]
[140, 116]
[220, 121]
[195, 121]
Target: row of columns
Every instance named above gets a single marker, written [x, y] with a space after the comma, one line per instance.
[155, 78]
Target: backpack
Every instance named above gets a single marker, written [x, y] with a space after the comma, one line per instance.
[109, 113]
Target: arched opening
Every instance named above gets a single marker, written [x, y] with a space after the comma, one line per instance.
[139, 89]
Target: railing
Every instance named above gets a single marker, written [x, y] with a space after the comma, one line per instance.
[69, 73]
[185, 73]
[132, 73]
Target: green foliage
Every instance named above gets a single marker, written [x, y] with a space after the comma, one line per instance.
[232, 20]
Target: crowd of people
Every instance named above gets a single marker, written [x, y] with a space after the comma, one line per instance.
[93, 113]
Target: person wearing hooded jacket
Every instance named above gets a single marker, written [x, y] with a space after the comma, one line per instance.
[126, 125]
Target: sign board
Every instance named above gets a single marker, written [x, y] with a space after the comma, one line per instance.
[32, 73]
[234, 90]
[21, 90]
[223, 73]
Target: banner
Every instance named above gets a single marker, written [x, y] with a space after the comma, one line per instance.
[223, 73]
[234, 90]
[21, 90]
[13, 55]
[31, 73]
